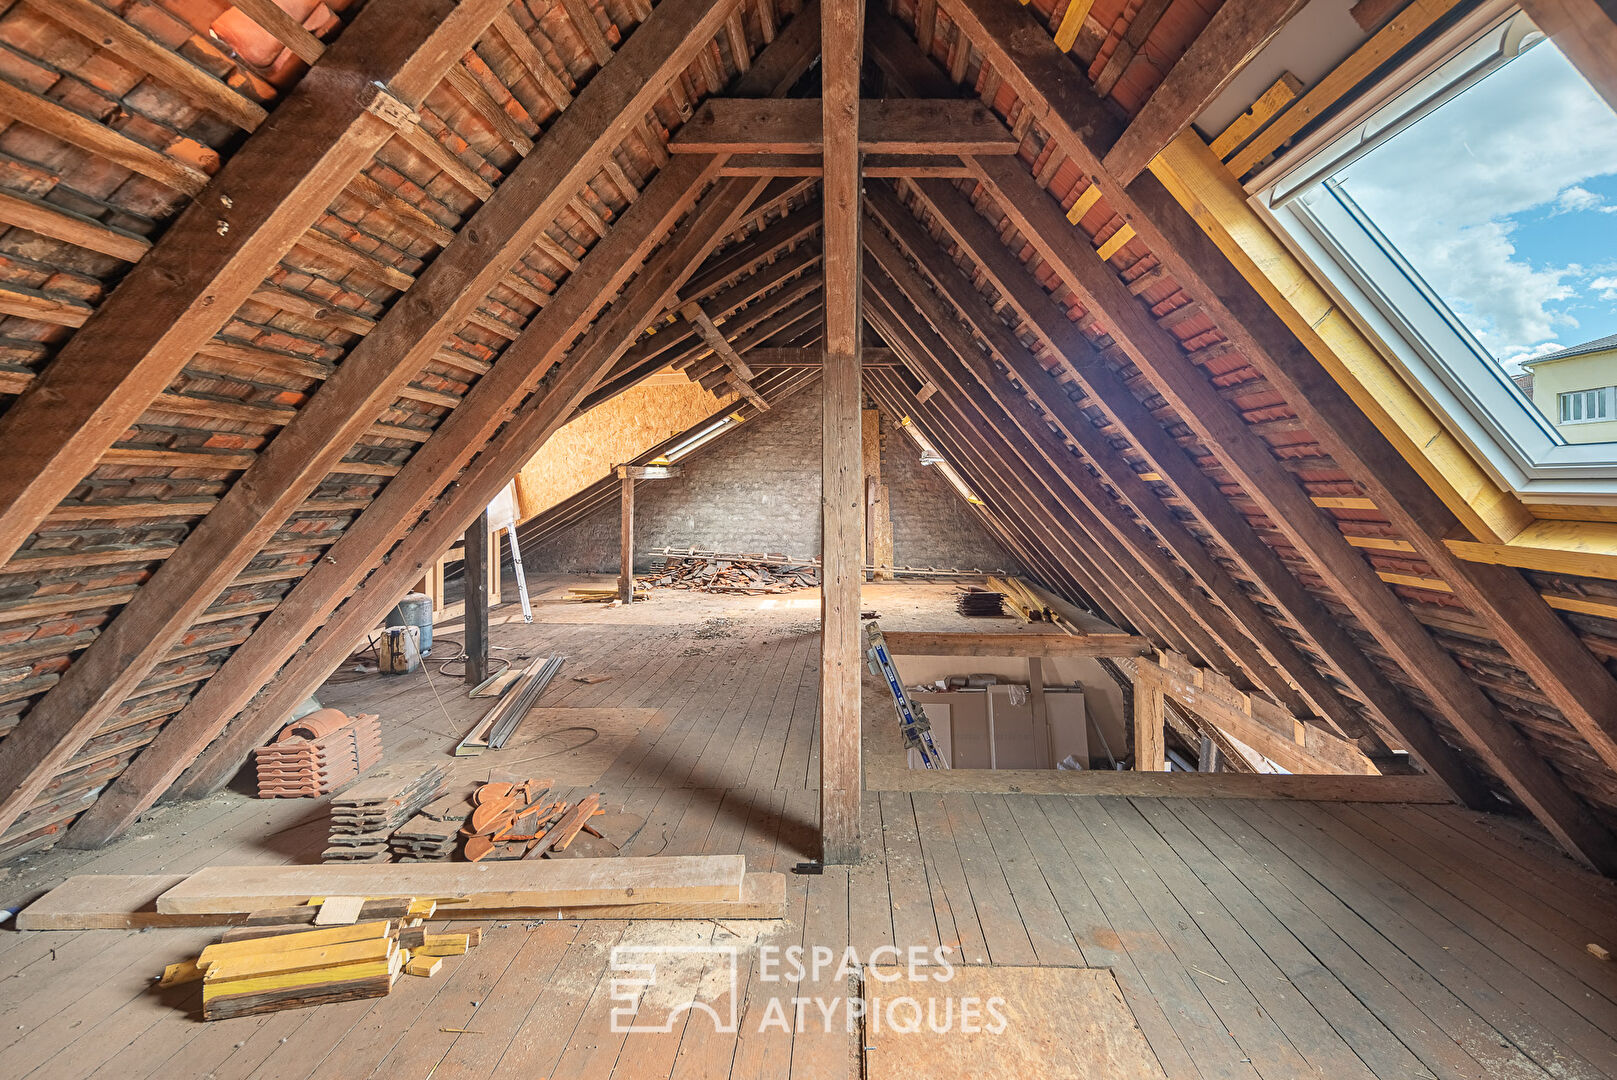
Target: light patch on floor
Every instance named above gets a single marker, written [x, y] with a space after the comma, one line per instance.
[986, 1023]
[571, 747]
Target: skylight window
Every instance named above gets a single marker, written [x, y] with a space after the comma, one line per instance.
[701, 438]
[1466, 216]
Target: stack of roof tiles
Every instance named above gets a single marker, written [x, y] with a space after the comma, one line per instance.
[364, 817]
[318, 754]
[434, 833]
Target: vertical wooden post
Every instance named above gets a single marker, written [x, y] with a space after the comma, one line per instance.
[842, 26]
[626, 540]
[476, 578]
[1208, 759]
[878, 518]
[1150, 716]
[1044, 747]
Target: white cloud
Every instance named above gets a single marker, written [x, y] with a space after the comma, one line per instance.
[1607, 287]
[1525, 139]
[1575, 199]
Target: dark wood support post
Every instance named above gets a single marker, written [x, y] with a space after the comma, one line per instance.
[477, 600]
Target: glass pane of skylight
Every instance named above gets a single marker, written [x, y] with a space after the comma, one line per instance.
[1504, 200]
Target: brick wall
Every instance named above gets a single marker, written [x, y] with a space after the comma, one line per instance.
[758, 489]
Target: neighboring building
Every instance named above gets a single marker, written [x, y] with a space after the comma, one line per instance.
[1577, 389]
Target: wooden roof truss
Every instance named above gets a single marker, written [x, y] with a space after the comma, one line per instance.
[464, 225]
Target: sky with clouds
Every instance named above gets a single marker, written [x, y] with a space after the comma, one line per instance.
[1505, 199]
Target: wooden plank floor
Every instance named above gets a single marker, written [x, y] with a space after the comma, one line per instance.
[1250, 938]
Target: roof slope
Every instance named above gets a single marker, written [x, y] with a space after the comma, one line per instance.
[290, 383]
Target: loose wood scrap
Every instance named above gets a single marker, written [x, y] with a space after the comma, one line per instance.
[364, 817]
[246, 977]
[318, 754]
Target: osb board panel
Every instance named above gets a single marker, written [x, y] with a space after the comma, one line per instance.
[982, 1023]
[588, 447]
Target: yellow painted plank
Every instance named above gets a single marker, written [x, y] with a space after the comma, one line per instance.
[1084, 203]
[1282, 92]
[312, 939]
[1343, 502]
[1115, 242]
[271, 963]
[295, 979]
[1072, 22]
[186, 971]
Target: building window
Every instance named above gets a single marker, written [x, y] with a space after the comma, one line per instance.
[1464, 214]
[1583, 406]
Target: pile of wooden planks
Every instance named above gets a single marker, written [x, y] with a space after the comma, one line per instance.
[269, 966]
[518, 697]
[585, 595]
[1026, 604]
[271, 898]
[742, 573]
[318, 754]
[364, 818]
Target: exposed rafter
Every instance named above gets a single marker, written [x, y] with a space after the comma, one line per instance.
[222, 247]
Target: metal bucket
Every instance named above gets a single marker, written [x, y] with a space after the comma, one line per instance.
[414, 610]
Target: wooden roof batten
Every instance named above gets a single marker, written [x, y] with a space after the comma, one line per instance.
[1108, 455]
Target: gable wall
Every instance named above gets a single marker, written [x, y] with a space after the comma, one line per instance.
[758, 490]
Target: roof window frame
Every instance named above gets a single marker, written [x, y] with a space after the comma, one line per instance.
[1372, 283]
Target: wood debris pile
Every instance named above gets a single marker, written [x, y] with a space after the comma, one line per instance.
[364, 818]
[318, 754]
[747, 574]
[519, 820]
[357, 949]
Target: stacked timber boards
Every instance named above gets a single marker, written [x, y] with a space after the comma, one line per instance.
[665, 887]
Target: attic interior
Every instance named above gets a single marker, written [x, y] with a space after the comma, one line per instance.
[1079, 537]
